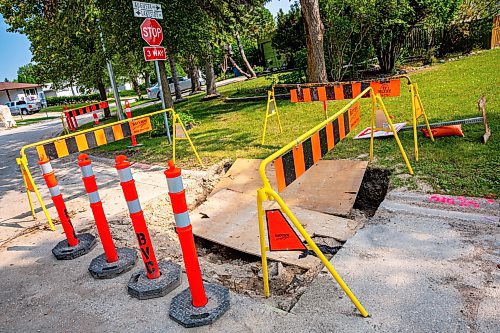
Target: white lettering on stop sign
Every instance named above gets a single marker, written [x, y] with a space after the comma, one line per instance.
[151, 32]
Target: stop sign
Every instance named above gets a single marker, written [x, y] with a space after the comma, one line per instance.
[151, 32]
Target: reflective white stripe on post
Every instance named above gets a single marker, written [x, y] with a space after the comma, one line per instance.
[182, 220]
[87, 171]
[46, 168]
[134, 206]
[175, 185]
[54, 191]
[94, 197]
[125, 175]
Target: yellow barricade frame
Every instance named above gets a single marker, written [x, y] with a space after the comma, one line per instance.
[28, 178]
[271, 106]
[267, 193]
[417, 108]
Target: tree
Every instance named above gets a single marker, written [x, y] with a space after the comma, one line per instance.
[314, 29]
[289, 39]
[64, 39]
[27, 74]
[347, 30]
[396, 17]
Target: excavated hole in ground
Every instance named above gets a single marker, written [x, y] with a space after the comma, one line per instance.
[242, 273]
[238, 271]
[372, 191]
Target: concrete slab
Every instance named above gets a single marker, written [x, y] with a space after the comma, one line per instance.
[413, 273]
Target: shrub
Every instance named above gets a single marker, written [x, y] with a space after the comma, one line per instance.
[52, 101]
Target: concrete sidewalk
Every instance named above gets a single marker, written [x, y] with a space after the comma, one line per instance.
[413, 272]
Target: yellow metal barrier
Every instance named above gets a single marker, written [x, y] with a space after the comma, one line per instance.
[271, 110]
[79, 141]
[417, 108]
[267, 193]
[176, 119]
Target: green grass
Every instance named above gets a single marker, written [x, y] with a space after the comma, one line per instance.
[25, 122]
[459, 166]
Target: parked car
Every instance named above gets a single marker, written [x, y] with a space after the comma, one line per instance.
[22, 107]
[184, 84]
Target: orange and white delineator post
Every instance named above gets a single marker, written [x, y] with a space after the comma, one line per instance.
[96, 118]
[128, 112]
[57, 199]
[185, 232]
[101, 222]
[134, 206]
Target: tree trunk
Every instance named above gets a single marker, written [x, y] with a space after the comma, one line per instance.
[169, 103]
[238, 67]
[210, 77]
[316, 68]
[243, 56]
[103, 96]
[147, 79]
[194, 75]
[175, 77]
[135, 86]
[387, 54]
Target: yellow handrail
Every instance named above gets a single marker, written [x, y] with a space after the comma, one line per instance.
[93, 129]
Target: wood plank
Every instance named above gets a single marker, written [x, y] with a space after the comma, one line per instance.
[329, 187]
[232, 222]
[243, 177]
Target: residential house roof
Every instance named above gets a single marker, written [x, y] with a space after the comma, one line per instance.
[16, 85]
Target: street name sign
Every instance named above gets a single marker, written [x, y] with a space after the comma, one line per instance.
[152, 53]
[147, 9]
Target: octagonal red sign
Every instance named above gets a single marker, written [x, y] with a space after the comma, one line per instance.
[151, 32]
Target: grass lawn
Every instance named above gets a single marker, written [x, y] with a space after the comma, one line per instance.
[33, 120]
[453, 165]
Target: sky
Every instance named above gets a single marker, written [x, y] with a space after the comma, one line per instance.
[275, 5]
[15, 52]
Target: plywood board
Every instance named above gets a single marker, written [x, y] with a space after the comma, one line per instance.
[328, 187]
[243, 177]
[230, 218]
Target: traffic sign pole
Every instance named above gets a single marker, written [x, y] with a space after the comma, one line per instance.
[163, 104]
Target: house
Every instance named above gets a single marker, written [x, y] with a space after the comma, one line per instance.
[13, 91]
[269, 54]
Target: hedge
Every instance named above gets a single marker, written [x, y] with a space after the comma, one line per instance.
[51, 101]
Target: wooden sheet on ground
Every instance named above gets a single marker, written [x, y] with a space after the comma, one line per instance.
[229, 218]
[329, 187]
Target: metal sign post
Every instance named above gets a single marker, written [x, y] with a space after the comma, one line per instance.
[152, 34]
[165, 118]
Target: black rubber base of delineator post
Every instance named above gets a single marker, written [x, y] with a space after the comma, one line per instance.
[183, 311]
[139, 286]
[62, 251]
[100, 268]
